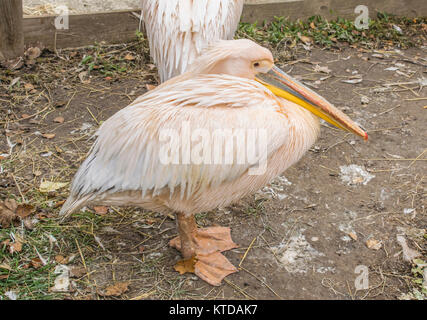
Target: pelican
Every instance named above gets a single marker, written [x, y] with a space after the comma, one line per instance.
[148, 154]
[178, 30]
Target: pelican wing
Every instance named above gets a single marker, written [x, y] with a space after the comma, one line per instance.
[178, 30]
[128, 154]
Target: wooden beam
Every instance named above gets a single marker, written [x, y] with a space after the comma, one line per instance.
[11, 29]
[83, 29]
[331, 9]
[120, 26]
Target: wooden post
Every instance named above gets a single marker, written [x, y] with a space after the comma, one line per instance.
[11, 29]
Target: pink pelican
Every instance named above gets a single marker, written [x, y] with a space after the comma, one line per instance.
[235, 86]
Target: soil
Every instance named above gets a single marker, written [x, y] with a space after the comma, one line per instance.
[301, 237]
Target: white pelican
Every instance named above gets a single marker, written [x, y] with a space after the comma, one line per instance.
[178, 30]
[233, 86]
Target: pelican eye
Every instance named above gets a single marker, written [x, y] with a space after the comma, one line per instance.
[256, 64]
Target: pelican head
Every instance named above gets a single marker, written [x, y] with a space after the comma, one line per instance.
[246, 59]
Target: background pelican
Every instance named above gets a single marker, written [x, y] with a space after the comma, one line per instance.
[178, 30]
[235, 86]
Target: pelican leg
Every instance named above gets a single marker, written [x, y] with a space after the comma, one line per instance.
[205, 245]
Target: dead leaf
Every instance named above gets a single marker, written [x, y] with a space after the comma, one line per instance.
[33, 53]
[150, 87]
[353, 235]
[15, 247]
[77, 272]
[36, 263]
[312, 25]
[129, 57]
[59, 120]
[101, 210]
[49, 186]
[373, 244]
[48, 135]
[61, 259]
[184, 266]
[7, 212]
[306, 40]
[24, 210]
[28, 86]
[116, 290]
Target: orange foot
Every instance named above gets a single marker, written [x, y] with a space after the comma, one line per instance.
[208, 240]
[202, 250]
[211, 268]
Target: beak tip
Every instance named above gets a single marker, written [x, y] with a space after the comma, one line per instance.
[365, 137]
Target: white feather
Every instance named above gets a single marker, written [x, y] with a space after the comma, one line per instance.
[178, 30]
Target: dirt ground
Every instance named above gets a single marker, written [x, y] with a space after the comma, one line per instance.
[302, 237]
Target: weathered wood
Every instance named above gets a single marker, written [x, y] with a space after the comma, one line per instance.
[11, 29]
[331, 9]
[120, 26]
[84, 29]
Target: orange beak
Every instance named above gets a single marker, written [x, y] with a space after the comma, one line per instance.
[283, 85]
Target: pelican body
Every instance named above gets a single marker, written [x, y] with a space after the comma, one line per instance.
[233, 86]
[178, 30]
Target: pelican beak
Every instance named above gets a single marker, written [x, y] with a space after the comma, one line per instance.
[283, 85]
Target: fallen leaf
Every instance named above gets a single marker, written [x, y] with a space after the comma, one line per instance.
[28, 86]
[7, 212]
[61, 259]
[373, 244]
[58, 120]
[306, 40]
[36, 263]
[116, 290]
[129, 57]
[15, 247]
[49, 186]
[33, 53]
[59, 204]
[184, 266]
[101, 210]
[150, 87]
[353, 235]
[24, 210]
[77, 272]
[48, 135]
